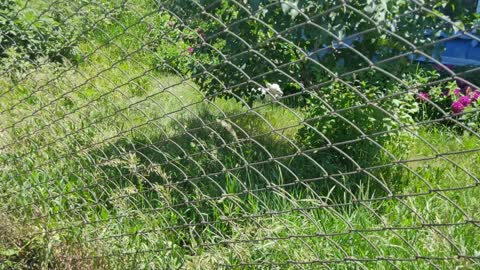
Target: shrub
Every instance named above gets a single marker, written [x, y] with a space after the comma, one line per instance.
[242, 49]
[458, 99]
[25, 31]
[30, 30]
[178, 47]
[347, 118]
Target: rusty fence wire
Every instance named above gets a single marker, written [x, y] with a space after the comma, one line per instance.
[221, 134]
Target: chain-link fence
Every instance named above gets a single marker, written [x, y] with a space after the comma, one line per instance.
[256, 134]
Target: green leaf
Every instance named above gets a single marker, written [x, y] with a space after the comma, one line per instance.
[458, 25]
[8, 252]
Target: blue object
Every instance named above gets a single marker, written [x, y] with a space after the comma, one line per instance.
[457, 50]
[462, 50]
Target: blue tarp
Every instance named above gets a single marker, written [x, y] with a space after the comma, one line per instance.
[461, 51]
[457, 49]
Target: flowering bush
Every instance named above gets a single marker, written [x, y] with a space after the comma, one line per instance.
[457, 99]
[339, 114]
[466, 102]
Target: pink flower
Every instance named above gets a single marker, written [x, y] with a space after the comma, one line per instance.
[465, 100]
[457, 92]
[457, 107]
[475, 95]
[190, 50]
[423, 96]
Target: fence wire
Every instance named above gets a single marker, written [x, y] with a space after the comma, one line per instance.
[226, 134]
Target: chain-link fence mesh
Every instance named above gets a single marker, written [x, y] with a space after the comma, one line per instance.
[254, 134]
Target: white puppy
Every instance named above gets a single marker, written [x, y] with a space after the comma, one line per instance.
[274, 90]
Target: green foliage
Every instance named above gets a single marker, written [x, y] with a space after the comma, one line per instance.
[349, 115]
[439, 98]
[134, 169]
[25, 30]
[179, 47]
[51, 30]
[244, 54]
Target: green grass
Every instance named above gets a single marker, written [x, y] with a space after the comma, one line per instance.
[114, 164]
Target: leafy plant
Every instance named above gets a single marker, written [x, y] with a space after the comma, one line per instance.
[296, 44]
[458, 99]
[343, 120]
[23, 30]
[31, 30]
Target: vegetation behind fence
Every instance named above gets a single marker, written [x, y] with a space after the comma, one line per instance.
[225, 134]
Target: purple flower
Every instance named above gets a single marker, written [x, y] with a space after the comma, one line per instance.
[475, 95]
[190, 50]
[465, 100]
[457, 92]
[423, 96]
[457, 107]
